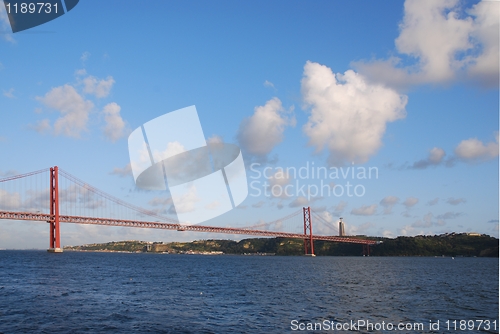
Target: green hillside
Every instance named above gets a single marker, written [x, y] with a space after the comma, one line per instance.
[446, 244]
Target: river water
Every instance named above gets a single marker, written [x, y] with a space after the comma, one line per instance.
[77, 292]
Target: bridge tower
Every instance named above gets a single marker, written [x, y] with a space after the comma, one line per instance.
[308, 240]
[55, 236]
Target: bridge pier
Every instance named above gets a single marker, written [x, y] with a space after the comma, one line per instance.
[366, 250]
[55, 235]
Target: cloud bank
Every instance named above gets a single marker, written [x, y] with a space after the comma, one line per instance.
[348, 115]
[75, 108]
[261, 132]
[441, 41]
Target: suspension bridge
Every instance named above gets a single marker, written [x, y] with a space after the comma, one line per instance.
[55, 196]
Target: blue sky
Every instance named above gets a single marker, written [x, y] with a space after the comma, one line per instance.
[409, 88]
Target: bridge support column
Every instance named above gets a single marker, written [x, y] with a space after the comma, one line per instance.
[366, 250]
[308, 239]
[55, 238]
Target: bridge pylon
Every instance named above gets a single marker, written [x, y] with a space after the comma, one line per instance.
[366, 250]
[55, 235]
[308, 234]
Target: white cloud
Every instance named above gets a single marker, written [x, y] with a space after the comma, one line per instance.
[317, 209]
[407, 231]
[436, 155]
[358, 230]
[268, 84]
[435, 158]
[213, 205]
[99, 88]
[456, 201]
[327, 216]
[449, 215]
[410, 202]
[387, 234]
[471, 150]
[187, 202]
[474, 150]
[9, 93]
[426, 222]
[433, 202]
[434, 36]
[388, 203]
[160, 201]
[261, 132]
[42, 126]
[115, 125]
[173, 148]
[365, 210]
[8, 173]
[428, 218]
[82, 197]
[300, 201]
[75, 110]
[80, 72]
[85, 56]
[162, 205]
[348, 114]
[326, 224]
[446, 41]
[339, 208]
[215, 140]
[141, 162]
[73, 107]
[10, 200]
[123, 172]
[484, 67]
[277, 184]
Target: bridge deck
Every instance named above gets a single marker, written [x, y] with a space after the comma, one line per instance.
[170, 226]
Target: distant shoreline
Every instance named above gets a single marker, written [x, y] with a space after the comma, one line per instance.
[444, 245]
[166, 253]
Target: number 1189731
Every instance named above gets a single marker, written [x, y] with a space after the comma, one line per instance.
[31, 8]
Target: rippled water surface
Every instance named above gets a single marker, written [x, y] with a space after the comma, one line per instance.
[119, 293]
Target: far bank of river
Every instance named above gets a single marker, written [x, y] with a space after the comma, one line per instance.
[450, 245]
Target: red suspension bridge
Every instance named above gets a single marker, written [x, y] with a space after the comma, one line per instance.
[71, 200]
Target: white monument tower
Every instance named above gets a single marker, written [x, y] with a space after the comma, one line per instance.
[341, 228]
